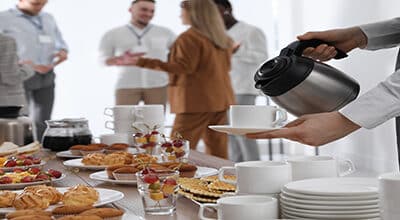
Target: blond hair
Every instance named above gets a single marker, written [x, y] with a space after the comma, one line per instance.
[205, 17]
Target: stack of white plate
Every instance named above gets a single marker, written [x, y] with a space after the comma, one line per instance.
[330, 198]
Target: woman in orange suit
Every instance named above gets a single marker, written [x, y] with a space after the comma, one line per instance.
[200, 90]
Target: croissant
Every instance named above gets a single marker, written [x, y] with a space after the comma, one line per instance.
[29, 200]
[48, 192]
[6, 198]
[80, 195]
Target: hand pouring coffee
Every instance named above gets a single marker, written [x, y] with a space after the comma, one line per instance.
[302, 85]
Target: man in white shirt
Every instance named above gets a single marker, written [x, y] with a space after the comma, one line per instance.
[137, 84]
[251, 52]
[371, 109]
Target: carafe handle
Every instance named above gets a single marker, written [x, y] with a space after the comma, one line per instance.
[297, 48]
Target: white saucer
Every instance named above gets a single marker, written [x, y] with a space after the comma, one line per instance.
[241, 131]
[327, 198]
[328, 207]
[330, 212]
[348, 186]
[322, 216]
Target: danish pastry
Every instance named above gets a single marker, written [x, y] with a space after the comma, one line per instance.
[7, 198]
[29, 200]
[47, 192]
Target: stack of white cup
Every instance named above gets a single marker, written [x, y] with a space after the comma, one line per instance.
[389, 196]
[126, 119]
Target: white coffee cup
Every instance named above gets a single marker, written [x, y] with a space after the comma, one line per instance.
[307, 167]
[120, 112]
[259, 177]
[244, 207]
[110, 139]
[149, 116]
[256, 116]
[389, 196]
[120, 126]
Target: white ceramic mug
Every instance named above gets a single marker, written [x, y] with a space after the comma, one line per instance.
[259, 177]
[110, 139]
[148, 116]
[307, 167]
[245, 207]
[256, 116]
[389, 196]
[120, 112]
[120, 126]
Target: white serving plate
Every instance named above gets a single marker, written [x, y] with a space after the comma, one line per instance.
[240, 131]
[330, 212]
[23, 185]
[67, 154]
[105, 196]
[328, 198]
[9, 169]
[321, 216]
[329, 207]
[77, 163]
[102, 176]
[348, 186]
[327, 203]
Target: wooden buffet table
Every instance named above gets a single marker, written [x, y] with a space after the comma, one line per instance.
[131, 203]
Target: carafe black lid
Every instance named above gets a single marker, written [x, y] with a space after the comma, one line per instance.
[279, 75]
[9, 111]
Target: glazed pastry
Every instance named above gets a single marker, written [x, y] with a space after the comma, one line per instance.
[80, 195]
[70, 210]
[7, 198]
[118, 147]
[104, 212]
[110, 170]
[77, 147]
[99, 145]
[93, 147]
[83, 217]
[126, 169]
[47, 192]
[185, 169]
[33, 217]
[28, 212]
[94, 159]
[125, 173]
[29, 200]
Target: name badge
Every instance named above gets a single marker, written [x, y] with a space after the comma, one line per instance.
[45, 39]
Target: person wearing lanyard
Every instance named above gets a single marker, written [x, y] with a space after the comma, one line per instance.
[40, 45]
[137, 84]
[245, 61]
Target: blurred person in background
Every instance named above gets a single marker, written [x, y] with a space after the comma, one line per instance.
[251, 52]
[12, 75]
[200, 90]
[41, 45]
[137, 84]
